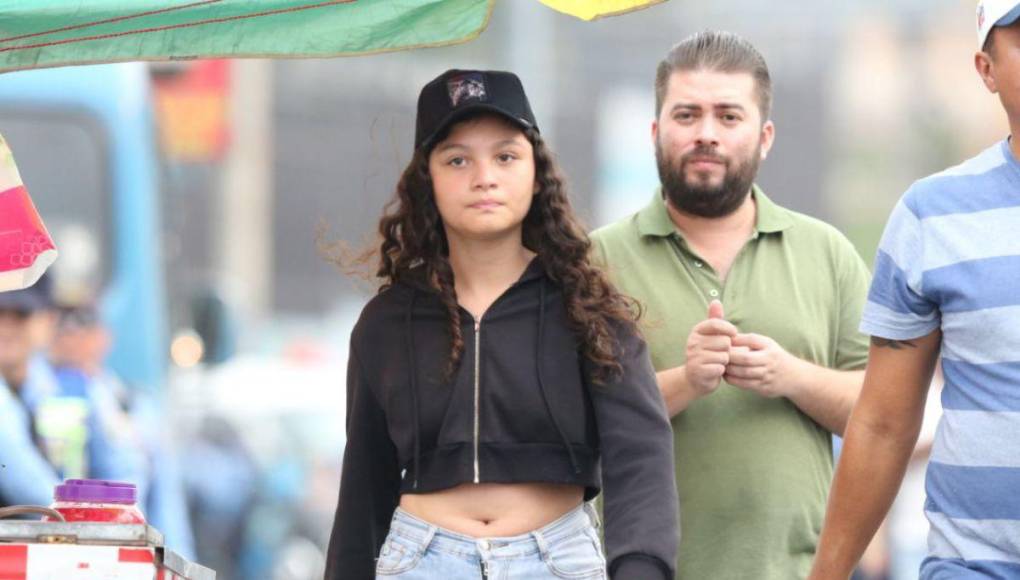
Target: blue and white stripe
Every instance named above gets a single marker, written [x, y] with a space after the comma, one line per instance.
[950, 260]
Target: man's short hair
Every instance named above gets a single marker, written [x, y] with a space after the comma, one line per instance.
[720, 52]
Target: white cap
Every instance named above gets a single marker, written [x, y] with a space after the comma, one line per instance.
[991, 13]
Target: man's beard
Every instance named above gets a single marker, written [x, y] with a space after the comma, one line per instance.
[704, 200]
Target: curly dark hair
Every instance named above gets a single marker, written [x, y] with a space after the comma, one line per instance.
[414, 237]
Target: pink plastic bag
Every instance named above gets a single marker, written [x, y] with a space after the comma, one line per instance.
[26, 249]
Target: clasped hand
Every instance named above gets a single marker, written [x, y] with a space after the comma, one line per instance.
[717, 351]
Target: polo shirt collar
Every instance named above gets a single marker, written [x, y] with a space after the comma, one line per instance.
[654, 220]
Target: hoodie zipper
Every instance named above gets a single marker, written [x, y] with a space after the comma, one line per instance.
[478, 349]
[478, 332]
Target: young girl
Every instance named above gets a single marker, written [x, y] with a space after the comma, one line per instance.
[497, 381]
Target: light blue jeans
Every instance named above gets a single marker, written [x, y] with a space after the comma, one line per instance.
[567, 548]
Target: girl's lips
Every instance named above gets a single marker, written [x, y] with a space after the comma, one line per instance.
[485, 205]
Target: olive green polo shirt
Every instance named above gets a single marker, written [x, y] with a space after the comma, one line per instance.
[753, 473]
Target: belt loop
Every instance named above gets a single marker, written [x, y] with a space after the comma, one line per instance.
[543, 546]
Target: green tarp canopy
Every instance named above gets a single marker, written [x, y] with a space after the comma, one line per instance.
[45, 33]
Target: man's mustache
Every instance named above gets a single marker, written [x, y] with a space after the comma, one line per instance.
[703, 154]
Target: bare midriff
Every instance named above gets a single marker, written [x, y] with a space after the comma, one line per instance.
[486, 510]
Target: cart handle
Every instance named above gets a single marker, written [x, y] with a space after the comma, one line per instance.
[23, 510]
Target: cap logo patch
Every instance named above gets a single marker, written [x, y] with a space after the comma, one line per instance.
[466, 87]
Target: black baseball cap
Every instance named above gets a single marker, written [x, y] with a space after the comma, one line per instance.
[38, 296]
[456, 94]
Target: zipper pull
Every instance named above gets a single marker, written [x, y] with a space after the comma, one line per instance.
[486, 572]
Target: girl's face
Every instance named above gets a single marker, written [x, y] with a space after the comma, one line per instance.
[483, 176]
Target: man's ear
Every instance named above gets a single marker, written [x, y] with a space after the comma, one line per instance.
[986, 70]
[768, 136]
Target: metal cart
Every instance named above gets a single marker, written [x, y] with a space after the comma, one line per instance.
[33, 550]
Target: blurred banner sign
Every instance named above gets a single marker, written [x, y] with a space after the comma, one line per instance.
[26, 249]
[191, 111]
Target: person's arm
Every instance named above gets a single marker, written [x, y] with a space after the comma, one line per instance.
[716, 352]
[677, 391]
[825, 394]
[879, 441]
[640, 504]
[758, 363]
[369, 484]
[26, 478]
[707, 355]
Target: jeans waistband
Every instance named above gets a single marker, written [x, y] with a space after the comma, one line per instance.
[427, 535]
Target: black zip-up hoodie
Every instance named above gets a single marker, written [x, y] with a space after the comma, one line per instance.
[523, 386]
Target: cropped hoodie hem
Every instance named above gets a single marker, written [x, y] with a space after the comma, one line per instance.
[451, 465]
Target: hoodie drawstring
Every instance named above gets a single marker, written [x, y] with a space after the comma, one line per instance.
[412, 365]
[541, 384]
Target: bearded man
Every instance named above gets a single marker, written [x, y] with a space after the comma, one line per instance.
[750, 314]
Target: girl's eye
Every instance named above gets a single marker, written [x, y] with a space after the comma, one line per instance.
[457, 162]
[506, 157]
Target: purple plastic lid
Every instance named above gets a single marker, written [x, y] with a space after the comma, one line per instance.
[96, 491]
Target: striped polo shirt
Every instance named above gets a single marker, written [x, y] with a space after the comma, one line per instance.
[950, 259]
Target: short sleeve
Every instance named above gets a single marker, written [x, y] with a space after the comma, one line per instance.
[897, 307]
